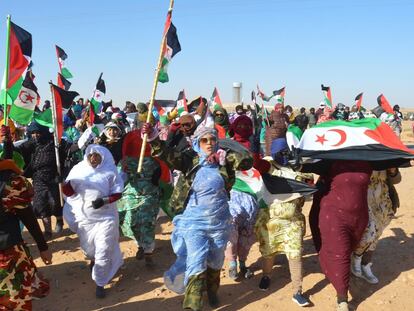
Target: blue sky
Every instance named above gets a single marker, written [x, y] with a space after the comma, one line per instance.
[353, 46]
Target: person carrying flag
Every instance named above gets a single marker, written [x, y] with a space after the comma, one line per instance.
[201, 230]
[39, 155]
[280, 228]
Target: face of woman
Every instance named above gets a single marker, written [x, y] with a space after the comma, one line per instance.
[113, 132]
[94, 159]
[207, 144]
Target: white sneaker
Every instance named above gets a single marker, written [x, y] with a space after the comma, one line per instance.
[343, 306]
[368, 275]
[356, 266]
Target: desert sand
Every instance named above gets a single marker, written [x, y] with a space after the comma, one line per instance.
[137, 287]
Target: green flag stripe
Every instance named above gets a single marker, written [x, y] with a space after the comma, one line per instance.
[370, 123]
[21, 115]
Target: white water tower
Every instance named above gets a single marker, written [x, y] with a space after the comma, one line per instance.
[237, 92]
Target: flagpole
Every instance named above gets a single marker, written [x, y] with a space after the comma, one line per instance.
[56, 140]
[6, 72]
[154, 90]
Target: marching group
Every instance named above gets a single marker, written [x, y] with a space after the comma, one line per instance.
[190, 168]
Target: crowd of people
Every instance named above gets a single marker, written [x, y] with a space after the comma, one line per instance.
[192, 167]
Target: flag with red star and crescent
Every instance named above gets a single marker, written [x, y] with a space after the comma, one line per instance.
[20, 53]
[23, 106]
[366, 139]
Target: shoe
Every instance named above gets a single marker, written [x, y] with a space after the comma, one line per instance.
[300, 299]
[368, 275]
[213, 300]
[233, 273]
[264, 283]
[342, 306]
[59, 226]
[100, 292]
[140, 253]
[356, 266]
[246, 273]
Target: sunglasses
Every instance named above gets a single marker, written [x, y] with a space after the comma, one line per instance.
[208, 140]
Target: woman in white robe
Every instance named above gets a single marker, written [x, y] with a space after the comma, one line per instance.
[92, 187]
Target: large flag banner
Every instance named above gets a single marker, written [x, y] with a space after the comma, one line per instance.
[366, 139]
[171, 47]
[181, 103]
[63, 82]
[383, 102]
[358, 101]
[280, 95]
[327, 95]
[62, 56]
[215, 100]
[23, 106]
[62, 99]
[19, 51]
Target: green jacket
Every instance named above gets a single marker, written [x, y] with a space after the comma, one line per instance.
[237, 158]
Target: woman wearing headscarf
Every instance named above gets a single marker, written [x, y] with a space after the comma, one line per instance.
[338, 218]
[92, 187]
[39, 155]
[112, 139]
[221, 122]
[140, 202]
[201, 232]
[382, 205]
[280, 228]
[242, 130]
[20, 281]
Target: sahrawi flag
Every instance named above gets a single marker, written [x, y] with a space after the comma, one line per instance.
[63, 82]
[215, 100]
[262, 95]
[268, 189]
[181, 103]
[20, 52]
[327, 95]
[280, 95]
[97, 98]
[358, 101]
[383, 102]
[170, 48]
[62, 56]
[22, 108]
[293, 136]
[366, 139]
[63, 100]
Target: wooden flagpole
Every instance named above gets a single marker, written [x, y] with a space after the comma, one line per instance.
[154, 90]
[6, 73]
[56, 140]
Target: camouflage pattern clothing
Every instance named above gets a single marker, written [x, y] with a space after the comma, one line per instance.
[237, 158]
[197, 284]
[19, 279]
[140, 203]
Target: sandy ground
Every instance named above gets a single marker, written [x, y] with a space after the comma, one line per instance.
[139, 288]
